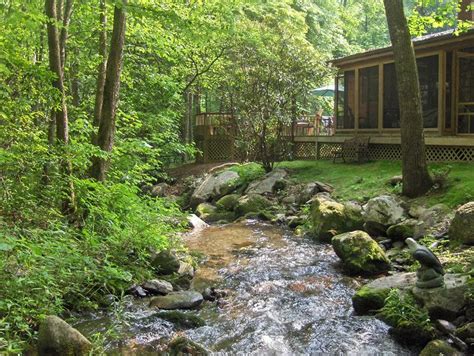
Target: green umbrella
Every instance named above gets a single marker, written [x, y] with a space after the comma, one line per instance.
[326, 91]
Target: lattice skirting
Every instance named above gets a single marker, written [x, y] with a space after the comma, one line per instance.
[305, 150]
[393, 152]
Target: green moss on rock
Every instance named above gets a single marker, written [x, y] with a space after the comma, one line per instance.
[252, 203]
[183, 346]
[228, 202]
[360, 253]
[402, 230]
[439, 347]
[180, 319]
[367, 300]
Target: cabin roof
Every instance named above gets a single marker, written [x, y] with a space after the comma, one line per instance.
[430, 41]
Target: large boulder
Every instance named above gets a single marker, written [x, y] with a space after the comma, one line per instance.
[330, 218]
[371, 297]
[157, 286]
[56, 337]
[252, 203]
[210, 213]
[196, 222]
[177, 300]
[269, 183]
[462, 226]
[404, 229]
[360, 254]
[215, 186]
[439, 347]
[228, 202]
[445, 302]
[384, 209]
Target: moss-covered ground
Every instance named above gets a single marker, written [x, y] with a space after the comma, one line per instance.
[362, 181]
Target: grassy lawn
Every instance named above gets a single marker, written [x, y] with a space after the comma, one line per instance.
[363, 181]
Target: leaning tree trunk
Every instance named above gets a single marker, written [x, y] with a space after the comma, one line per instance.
[62, 123]
[416, 178]
[105, 138]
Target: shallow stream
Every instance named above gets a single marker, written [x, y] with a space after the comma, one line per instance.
[287, 296]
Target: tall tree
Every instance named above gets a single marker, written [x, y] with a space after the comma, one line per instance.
[99, 95]
[416, 178]
[105, 138]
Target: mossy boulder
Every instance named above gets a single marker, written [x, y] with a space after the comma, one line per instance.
[403, 230]
[228, 202]
[439, 347]
[462, 226]
[180, 319]
[371, 297]
[330, 218]
[210, 213]
[215, 186]
[183, 346]
[252, 203]
[56, 337]
[177, 300]
[360, 254]
[166, 262]
[385, 210]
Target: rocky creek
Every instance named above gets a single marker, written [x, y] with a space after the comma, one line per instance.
[286, 295]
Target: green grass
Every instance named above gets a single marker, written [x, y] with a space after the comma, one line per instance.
[363, 181]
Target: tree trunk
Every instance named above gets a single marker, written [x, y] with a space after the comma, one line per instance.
[416, 178]
[99, 96]
[62, 123]
[105, 139]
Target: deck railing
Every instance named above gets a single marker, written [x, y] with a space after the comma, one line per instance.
[309, 126]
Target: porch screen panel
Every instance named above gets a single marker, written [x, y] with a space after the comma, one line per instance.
[428, 75]
[391, 110]
[346, 100]
[466, 96]
[449, 92]
[368, 97]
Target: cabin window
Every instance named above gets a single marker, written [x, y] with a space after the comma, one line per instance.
[428, 76]
[368, 97]
[345, 100]
[391, 111]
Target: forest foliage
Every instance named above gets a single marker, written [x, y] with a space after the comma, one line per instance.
[247, 56]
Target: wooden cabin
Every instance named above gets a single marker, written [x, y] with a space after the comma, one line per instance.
[366, 100]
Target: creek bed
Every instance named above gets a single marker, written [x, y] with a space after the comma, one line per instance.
[287, 296]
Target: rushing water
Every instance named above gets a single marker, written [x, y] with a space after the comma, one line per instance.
[287, 296]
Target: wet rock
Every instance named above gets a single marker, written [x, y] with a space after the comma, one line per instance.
[466, 331]
[403, 230]
[137, 291]
[166, 262]
[384, 209]
[159, 190]
[183, 346]
[360, 254]
[269, 183]
[180, 320]
[228, 202]
[209, 213]
[56, 337]
[157, 286]
[439, 347]
[445, 326]
[215, 186]
[186, 269]
[462, 226]
[252, 203]
[444, 302]
[330, 218]
[203, 210]
[295, 221]
[196, 223]
[212, 294]
[177, 300]
[371, 297]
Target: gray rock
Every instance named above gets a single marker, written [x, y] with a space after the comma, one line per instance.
[445, 326]
[196, 223]
[371, 297]
[462, 226]
[157, 286]
[404, 229]
[56, 337]
[215, 186]
[444, 302]
[186, 269]
[268, 183]
[395, 180]
[374, 228]
[252, 203]
[166, 262]
[384, 209]
[177, 300]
